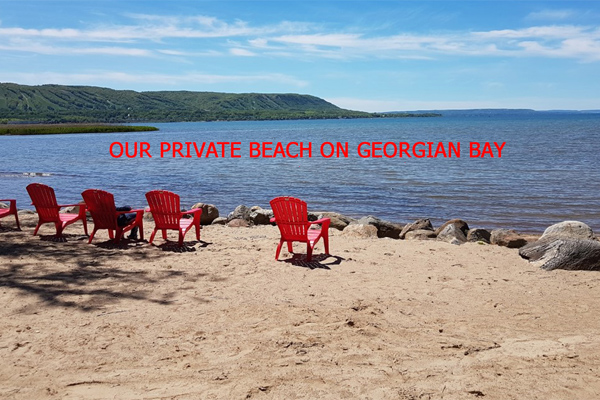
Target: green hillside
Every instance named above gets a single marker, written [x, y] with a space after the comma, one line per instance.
[55, 103]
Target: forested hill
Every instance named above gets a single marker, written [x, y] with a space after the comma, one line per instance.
[56, 103]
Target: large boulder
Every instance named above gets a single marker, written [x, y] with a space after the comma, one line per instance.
[240, 212]
[4, 205]
[570, 230]
[260, 216]
[209, 213]
[384, 228]
[420, 224]
[219, 221]
[458, 223]
[452, 234]
[479, 235]
[360, 231]
[238, 223]
[553, 252]
[507, 238]
[338, 221]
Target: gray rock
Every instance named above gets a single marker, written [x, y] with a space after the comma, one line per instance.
[209, 213]
[240, 212]
[338, 221]
[479, 235]
[360, 231]
[553, 252]
[260, 216]
[420, 234]
[420, 224]
[452, 234]
[570, 230]
[238, 223]
[26, 212]
[219, 221]
[459, 223]
[507, 238]
[384, 228]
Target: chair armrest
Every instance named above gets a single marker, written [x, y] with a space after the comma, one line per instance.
[192, 211]
[13, 204]
[324, 221]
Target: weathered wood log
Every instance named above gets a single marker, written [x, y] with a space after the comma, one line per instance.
[563, 253]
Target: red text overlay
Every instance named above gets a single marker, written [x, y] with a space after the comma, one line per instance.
[305, 150]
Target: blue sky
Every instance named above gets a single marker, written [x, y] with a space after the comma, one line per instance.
[361, 55]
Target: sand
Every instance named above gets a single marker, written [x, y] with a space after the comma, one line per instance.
[380, 319]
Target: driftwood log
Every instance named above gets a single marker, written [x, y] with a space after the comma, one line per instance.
[551, 253]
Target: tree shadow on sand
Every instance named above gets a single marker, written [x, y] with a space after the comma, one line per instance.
[317, 261]
[88, 277]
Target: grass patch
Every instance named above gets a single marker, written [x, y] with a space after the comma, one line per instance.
[54, 129]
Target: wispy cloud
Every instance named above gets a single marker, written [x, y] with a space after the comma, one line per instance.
[551, 15]
[145, 34]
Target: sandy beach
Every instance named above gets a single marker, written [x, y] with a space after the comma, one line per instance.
[379, 319]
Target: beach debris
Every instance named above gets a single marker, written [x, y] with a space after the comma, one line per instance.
[569, 229]
[507, 238]
[552, 252]
[209, 213]
[420, 224]
[360, 231]
[479, 235]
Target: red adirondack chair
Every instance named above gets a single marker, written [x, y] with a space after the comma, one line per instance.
[167, 214]
[44, 200]
[101, 206]
[11, 210]
[291, 216]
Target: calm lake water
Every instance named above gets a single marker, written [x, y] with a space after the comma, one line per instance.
[549, 170]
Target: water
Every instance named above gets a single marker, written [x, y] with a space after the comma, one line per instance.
[548, 172]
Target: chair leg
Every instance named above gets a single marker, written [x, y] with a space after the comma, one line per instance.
[290, 248]
[278, 249]
[180, 238]
[35, 231]
[309, 251]
[85, 226]
[164, 233]
[92, 235]
[59, 228]
[326, 243]
[17, 219]
[198, 232]
[152, 235]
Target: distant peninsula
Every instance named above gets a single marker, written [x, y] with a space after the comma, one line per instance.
[90, 104]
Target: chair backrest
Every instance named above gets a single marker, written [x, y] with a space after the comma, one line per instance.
[101, 206]
[164, 206]
[44, 200]
[291, 216]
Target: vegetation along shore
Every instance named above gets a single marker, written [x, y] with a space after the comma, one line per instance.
[51, 129]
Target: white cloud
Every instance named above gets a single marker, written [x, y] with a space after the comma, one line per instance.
[241, 52]
[551, 15]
